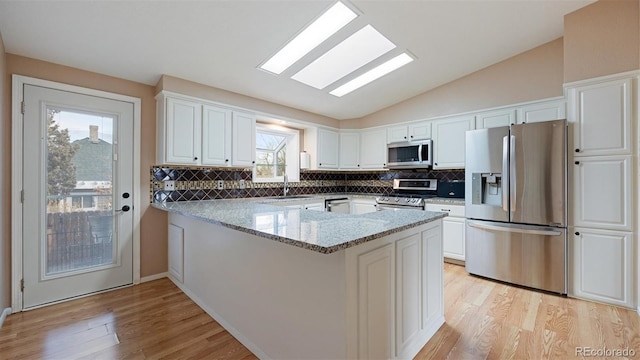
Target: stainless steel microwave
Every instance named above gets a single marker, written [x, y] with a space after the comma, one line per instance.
[410, 154]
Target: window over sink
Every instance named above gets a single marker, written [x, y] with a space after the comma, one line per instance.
[277, 150]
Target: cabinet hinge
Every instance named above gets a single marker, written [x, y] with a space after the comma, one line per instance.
[22, 107]
[21, 285]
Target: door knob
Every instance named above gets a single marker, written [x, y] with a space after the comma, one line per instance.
[125, 195]
[126, 208]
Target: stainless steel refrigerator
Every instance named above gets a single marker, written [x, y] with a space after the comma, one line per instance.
[516, 196]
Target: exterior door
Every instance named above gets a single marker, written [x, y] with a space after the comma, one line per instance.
[78, 193]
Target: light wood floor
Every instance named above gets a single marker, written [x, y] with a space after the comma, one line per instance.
[156, 320]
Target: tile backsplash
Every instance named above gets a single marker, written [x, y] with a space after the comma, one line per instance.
[200, 183]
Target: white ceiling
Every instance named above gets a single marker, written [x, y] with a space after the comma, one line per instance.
[221, 43]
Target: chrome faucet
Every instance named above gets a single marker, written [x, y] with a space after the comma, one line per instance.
[285, 188]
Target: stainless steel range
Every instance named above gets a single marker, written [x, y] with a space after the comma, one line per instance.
[408, 194]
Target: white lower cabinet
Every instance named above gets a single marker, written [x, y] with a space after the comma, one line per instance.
[398, 292]
[602, 266]
[176, 252]
[453, 230]
[376, 285]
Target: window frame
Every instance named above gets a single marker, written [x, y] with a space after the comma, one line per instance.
[292, 146]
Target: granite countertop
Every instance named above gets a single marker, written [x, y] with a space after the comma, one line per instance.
[324, 232]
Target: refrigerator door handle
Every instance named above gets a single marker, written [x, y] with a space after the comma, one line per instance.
[512, 172]
[538, 231]
[505, 173]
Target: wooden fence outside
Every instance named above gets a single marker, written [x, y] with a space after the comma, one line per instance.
[77, 240]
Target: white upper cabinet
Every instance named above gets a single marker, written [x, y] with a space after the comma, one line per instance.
[181, 132]
[496, 118]
[327, 151]
[601, 114]
[196, 132]
[543, 111]
[414, 131]
[397, 133]
[449, 141]
[349, 150]
[216, 136]
[373, 149]
[244, 139]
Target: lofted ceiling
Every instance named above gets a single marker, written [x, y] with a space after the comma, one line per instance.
[221, 43]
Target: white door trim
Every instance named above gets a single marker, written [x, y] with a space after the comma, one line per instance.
[18, 82]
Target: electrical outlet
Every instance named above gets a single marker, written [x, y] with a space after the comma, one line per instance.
[169, 185]
[241, 184]
[220, 184]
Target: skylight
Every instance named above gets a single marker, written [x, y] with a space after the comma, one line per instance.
[356, 51]
[318, 31]
[373, 74]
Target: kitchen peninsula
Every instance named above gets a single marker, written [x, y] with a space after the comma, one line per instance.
[295, 283]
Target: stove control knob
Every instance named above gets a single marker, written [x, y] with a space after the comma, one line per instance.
[407, 200]
[397, 199]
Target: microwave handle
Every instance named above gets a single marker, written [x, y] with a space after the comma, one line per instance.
[420, 152]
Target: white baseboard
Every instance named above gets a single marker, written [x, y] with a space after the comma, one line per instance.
[154, 277]
[4, 314]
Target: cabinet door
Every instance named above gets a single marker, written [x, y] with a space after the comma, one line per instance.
[183, 126]
[602, 118]
[243, 139]
[397, 134]
[602, 268]
[376, 289]
[408, 285]
[448, 141]
[349, 151]
[216, 136]
[176, 252]
[315, 206]
[432, 281]
[491, 119]
[602, 192]
[544, 111]
[420, 131]
[328, 146]
[373, 149]
[453, 237]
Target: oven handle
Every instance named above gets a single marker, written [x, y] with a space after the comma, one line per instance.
[380, 207]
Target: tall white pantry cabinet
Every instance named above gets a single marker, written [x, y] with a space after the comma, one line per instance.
[602, 120]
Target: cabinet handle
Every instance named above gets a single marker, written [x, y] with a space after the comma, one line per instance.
[577, 162]
[412, 136]
[447, 210]
[226, 160]
[436, 164]
[577, 150]
[253, 162]
[405, 137]
[320, 164]
[358, 165]
[577, 233]
[195, 158]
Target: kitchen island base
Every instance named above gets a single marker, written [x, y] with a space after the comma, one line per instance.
[379, 299]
